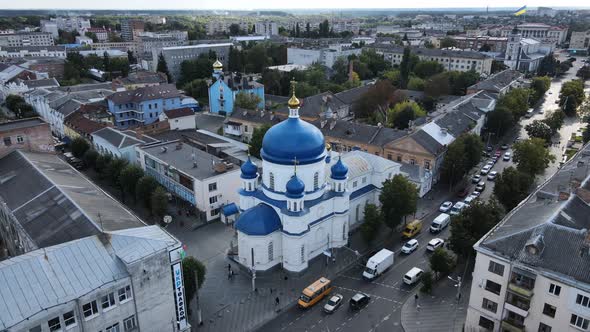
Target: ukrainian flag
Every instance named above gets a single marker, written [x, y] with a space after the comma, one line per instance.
[520, 11]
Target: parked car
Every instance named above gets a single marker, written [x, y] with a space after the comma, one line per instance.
[446, 206]
[413, 276]
[469, 199]
[498, 153]
[333, 303]
[504, 147]
[489, 148]
[529, 114]
[476, 193]
[485, 170]
[476, 178]
[462, 192]
[490, 163]
[495, 159]
[507, 156]
[492, 176]
[359, 301]
[480, 186]
[410, 246]
[457, 208]
[435, 243]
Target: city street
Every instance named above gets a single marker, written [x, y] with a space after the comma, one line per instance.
[388, 293]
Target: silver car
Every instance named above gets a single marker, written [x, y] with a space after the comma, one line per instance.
[333, 303]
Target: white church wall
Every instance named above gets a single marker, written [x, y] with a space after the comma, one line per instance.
[282, 174]
[267, 250]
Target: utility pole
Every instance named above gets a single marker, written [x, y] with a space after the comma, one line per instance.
[253, 272]
[199, 316]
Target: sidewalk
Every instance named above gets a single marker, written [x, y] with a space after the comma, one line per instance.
[439, 311]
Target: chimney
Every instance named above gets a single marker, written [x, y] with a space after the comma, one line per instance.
[443, 131]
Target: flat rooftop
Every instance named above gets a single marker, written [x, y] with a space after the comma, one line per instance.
[19, 124]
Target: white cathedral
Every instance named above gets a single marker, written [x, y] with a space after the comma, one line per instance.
[297, 210]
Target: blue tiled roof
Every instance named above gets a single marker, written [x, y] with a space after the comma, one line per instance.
[259, 220]
[229, 209]
[249, 170]
[339, 170]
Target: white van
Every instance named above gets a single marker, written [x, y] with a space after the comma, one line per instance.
[439, 223]
[378, 264]
[413, 276]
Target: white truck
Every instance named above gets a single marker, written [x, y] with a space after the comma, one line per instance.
[378, 264]
[439, 223]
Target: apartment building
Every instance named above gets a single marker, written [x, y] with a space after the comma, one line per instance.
[221, 26]
[539, 31]
[69, 23]
[531, 270]
[20, 39]
[476, 43]
[131, 29]
[451, 60]
[33, 52]
[203, 180]
[580, 41]
[266, 28]
[31, 134]
[101, 34]
[175, 55]
[325, 56]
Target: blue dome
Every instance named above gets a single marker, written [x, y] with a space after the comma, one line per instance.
[295, 187]
[339, 170]
[259, 220]
[293, 139]
[249, 169]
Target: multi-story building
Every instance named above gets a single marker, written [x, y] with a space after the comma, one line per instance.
[119, 143]
[339, 26]
[33, 52]
[499, 83]
[53, 105]
[31, 134]
[324, 56]
[122, 46]
[21, 39]
[476, 43]
[451, 60]
[201, 179]
[131, 29]
[173, 34]
[70, 23]
[139, 79]
[175, 55]
[221, 26]
[266, 28]
[146, 45]
[225, 88]
[53, 67]
[580, 41]
[531, 270]
[539, 31]
[101, 34]
[143, 106]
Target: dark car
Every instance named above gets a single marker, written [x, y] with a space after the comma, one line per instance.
[359, 301]
[463, 192]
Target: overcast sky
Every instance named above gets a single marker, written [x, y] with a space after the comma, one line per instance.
[273, 4]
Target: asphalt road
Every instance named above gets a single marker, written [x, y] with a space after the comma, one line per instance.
[388, 293]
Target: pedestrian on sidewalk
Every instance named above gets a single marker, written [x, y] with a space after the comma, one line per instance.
[417, 307]
[416, 298]
[277, 301]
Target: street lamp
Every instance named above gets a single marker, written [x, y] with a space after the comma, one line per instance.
[458, 285]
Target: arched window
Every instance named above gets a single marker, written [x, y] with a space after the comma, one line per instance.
[272, 181]
[302, 253]
[344, 231]
[270, 251]
[316, 180]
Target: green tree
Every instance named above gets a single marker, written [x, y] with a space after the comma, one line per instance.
[102, 162]
[394, 76]
[448, 42]
[571, 96]
[454, 165]
[438, 85]
[473, 223]
[190, 267]
[256, 140]
[427, 282]
[416, 83]
[159, 203]
[400, 115]
[441, 262]
[540, 85]
[89, 158]
[247, 100]
[144, 188]
[128, 179]
[114, 169]
[499, 121]
[197, 89]
[372, 223]
[398, 199]
[201, 67]
[427, 69]
[584, 73]
[511, 187]
[79, 146]
[531, 156]
[257, 59]
[12, 101]
[539, 129]
[555, 120]
[516, 100]
[473, 150]
[375, 62]
[405, 68]
[163, 67]
[235, 30]
[377, 99]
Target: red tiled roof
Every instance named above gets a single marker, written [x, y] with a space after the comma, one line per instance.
[179, 112]
[83, 125]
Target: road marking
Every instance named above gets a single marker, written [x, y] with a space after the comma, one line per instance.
[338, 328]
[320, 321]
[371, 295]
[311, 327]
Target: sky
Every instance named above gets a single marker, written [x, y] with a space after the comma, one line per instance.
[273, 4]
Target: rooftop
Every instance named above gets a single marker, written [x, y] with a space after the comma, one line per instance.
[54, 203]
[556, 212]
[20, 124]
[498, 81]
[191, 161]
[431, 52]
[145, 93]
[179, 112]
[196, 46]
[48, 277]
[121, 139]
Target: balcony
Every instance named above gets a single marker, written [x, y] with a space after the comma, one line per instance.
[518, 301]
[522, 283]
[512, 325]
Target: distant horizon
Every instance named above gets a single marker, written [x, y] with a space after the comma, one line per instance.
[265, 5]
